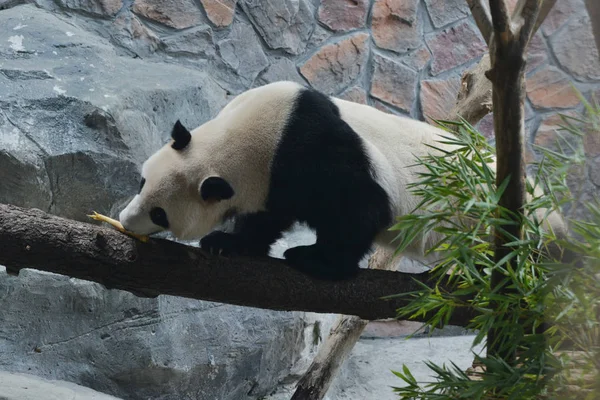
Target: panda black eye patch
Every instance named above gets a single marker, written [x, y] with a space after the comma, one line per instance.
[142, 183]
[159, 217]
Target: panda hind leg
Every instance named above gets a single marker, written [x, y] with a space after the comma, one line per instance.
[336, 254]
[253, 235]
[313, 261]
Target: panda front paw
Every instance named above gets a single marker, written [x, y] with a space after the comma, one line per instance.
[221, 243]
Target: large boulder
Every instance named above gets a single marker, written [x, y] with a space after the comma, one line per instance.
[77, 119]
[29, 387]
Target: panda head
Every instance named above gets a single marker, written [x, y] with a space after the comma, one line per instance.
[178, 193]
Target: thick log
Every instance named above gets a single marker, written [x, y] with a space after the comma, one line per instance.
[31, 238]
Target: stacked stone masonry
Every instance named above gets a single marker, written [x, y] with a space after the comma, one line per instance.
[406, 56]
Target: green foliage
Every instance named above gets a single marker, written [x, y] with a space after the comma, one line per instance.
[547, 301]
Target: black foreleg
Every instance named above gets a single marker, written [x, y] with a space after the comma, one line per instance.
[253, 235]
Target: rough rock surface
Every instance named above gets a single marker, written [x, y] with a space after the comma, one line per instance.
[74, 117]
[197, 41]
[418, 59]
[560, 13]
[241, 51]
[282, 69]
[395, 25]
[438, 98]
[366, 374]
[130, 33]
[443, 12]
[344, 15]
[455, 46]
[337, 65]
[283, 24]
[220, 12]
[393, 83]
[177, 14]
[572, 48]
[116, 343]
[549, 87]
[29, 387]
[537, 53]
[355, 94]
[104, 8]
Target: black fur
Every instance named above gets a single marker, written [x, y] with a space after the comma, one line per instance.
[320, 175]
[159, 217]
[216, 188]
[181, 136]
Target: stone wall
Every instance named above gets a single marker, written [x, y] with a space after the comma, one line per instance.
[90, 88]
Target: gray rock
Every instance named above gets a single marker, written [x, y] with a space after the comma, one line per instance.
[281, 69]
[136, 348]
[393, 83]
[103, 8]
[128, 32]
[285, 24]
[366, 374]
[337, 65]
[196, 42]
[443, 12]
[29, 387]
[242, 52]
[4, 4]
[178, 14]
[82, 123]
[576, 50]
[319, 36]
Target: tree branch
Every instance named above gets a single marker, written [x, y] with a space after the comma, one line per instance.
[528, 17]
[544, 11]
[507, 75]
[474, 99]
[500, 20]
[475, 96]
[482, 18]
[30, 238]
[593, 7]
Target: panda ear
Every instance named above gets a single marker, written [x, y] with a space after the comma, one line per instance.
[180, 135]
[215, 188]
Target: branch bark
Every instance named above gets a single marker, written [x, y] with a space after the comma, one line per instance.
[507, 74]
[475, 96]
[31, 238]
[593, 7]
[482, 18]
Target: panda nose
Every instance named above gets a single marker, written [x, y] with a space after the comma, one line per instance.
[125, 218]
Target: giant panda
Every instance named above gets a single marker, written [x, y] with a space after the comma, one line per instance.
[284, 153]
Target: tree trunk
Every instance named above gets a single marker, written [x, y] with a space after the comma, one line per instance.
[507, 74]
